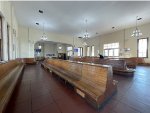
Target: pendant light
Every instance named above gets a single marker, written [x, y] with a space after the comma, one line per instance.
[86, 35]
[44, 37]
[137, 33]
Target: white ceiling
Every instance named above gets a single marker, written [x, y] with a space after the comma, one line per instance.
[68, 18]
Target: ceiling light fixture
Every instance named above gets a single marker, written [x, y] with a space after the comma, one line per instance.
[86, 35]
[44, 37]
[137, 33]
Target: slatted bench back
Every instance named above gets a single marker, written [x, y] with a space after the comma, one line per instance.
[95, 75]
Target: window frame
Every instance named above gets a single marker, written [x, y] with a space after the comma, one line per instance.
[69, 51]
[88, 54]
[138, 47]
[108, 49]
[81, 52]
[93, 50]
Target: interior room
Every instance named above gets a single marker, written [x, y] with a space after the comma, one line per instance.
[74, 56]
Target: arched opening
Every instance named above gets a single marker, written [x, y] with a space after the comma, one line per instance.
[50, 49]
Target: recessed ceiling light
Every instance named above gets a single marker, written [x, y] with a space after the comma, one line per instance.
[37, 23]
[40, 11]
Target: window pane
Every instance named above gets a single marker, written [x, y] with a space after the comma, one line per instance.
[92, 51]
[116, 52]
[88, 51]
[110, 52]
[79, 52]
[140, 55]
[111, 49]
[144, 54]
[105, 52]
[105, 46]
[142, 47]
[116, 45]
[109, 45]
[69, 48]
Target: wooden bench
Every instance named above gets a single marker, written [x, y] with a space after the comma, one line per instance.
[93, 82]
[9, 75]
[134, 61]
[27, 60]
[119, 65]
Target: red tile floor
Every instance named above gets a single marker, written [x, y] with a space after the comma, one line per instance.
[40, 92]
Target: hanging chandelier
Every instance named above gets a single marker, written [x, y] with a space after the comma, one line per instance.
[137, 33]
[43, 37]
[86, 35]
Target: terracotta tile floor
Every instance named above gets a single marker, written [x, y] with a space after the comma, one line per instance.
[40, 92]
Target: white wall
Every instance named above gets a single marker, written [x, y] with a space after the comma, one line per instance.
[125, 41]
[63, 48]
[50, 49]
[8, 16]
[29, 36]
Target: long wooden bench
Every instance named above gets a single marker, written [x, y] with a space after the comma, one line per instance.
[9, 74]
[119, 65]
[134, 61]
[93, 82]
[27, 60]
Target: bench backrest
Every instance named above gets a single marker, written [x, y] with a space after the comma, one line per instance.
[93, 74]
[7, 67]
[75, 68]
[117, 64]
[27, 60]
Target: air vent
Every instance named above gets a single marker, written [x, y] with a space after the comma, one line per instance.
[80, 37]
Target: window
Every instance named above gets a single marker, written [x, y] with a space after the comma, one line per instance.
[143, 47]
[69, 51]
[88, 51]
[111, 49]
[80, 51]
[92, 50]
